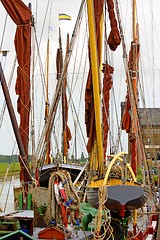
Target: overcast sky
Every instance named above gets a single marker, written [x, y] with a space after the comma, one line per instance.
[148, 19]
[41, 10]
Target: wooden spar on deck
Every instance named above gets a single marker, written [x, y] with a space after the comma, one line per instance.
[95, 77]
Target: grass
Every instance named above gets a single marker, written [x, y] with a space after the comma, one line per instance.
[13, 169]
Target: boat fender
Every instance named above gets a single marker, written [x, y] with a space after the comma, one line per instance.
[62, 191]
[69, 202]
[56, 192]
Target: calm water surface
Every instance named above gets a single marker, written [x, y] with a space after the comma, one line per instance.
[6, 194]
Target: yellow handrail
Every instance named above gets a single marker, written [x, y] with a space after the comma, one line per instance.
[111, 165]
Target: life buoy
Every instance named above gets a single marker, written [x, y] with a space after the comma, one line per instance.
[56, 192]
[60, 196]
[64, 215]
[62, 192]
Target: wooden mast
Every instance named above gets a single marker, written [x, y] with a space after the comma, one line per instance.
[134, 130]
[96, 81]
[64, 110]
[47, 158]
[54, 104]
[134, 48]
[63, 99]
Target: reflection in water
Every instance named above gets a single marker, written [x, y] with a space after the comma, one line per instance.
[7, 196]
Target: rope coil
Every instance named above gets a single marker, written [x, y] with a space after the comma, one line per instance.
[71, 203]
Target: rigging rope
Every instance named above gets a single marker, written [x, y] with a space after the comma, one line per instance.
[106, 231]
[9, 85]
[49, 125]
[5, 24]
[132, 97]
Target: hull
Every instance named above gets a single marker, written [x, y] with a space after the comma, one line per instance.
[151, 232]
[17, 235]
[120, 197]
[73, 169]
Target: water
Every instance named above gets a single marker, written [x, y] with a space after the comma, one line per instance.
[7, 195]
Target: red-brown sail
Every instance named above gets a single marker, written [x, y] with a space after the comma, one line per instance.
[66, 131]
[126, 119]
[21, 15]
[59, 64]
[114, 37]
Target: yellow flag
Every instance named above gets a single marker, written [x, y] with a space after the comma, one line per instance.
[63, 16]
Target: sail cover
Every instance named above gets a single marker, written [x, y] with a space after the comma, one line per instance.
[21, 15]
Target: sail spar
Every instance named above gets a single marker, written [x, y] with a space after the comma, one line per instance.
[21, 15]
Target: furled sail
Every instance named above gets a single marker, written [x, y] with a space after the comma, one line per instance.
[59, 64]
[128, 123]
[113, 41]
[126, 120]
[21, 15]
[107, 85]
[114, 37]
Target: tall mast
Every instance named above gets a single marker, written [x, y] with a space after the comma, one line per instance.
[96, 81]
[134, 66]
[47, 159]
[134, 51]
[65, 111]
[54, 104]
[65, 128]
[134, 20]
[33, 164]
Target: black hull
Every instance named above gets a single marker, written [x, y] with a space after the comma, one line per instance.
[46, 171]
[120, 196]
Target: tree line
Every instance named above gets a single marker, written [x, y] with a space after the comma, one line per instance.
[8, 158]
